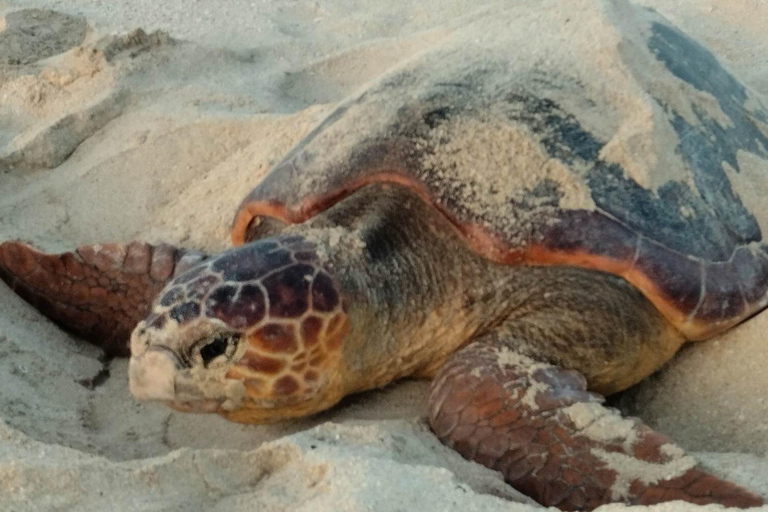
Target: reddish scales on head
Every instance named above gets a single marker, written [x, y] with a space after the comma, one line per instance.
[280, 298]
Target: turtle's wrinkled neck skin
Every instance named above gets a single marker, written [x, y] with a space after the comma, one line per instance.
[379, 286]
[416, 292]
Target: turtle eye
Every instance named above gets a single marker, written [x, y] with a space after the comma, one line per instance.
[218, 346]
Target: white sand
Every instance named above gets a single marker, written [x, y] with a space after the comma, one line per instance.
[167, 138]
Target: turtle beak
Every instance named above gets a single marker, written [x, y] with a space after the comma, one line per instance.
[151, 375]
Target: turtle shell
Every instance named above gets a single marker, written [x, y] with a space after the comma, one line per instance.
[614, 142]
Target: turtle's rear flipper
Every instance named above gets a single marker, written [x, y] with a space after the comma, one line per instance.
[99, 292]
[553, 440]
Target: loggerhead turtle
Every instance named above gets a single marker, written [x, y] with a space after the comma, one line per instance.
[466, 219]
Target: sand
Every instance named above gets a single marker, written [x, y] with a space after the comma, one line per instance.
[110, 133]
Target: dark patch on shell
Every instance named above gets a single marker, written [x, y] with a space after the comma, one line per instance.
[561, 134]
[544, 196]
[751, 266]
[703, 233]
[708, 145]
[592, 233]
[677, 278]
[722, 300]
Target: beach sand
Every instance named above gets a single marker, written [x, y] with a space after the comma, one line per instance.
[137, 119]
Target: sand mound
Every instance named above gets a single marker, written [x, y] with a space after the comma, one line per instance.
[149, 135]
[383, 466]
[30, 35]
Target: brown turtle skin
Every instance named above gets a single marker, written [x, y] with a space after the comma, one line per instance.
[359, 261]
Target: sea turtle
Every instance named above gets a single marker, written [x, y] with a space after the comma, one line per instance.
[507, 225]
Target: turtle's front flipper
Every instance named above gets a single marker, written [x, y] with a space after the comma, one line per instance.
[553, 440]
[99, 292]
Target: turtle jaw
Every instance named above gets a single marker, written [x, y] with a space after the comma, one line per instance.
[157, 374]
[151, 375]
[245, 389]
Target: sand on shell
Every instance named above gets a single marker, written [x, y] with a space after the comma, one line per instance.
[109, 134]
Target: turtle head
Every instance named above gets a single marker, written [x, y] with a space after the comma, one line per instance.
[254, 334]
